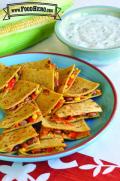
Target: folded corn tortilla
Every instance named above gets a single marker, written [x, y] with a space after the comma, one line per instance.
[28, 114]
[9, 140]
[6, 74]
[65, 76]
[21, 92]
[79, 109]
[46, 146]
[47, 101]
[82, 89]
[79, 127]
[42, 77]
[40, 64]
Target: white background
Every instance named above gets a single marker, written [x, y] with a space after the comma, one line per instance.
[107, 145]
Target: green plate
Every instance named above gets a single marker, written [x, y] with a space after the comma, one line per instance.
[107, 101]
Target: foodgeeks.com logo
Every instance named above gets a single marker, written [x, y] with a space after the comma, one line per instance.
[32, 8]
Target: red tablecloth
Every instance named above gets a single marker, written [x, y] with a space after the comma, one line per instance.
[76, 167]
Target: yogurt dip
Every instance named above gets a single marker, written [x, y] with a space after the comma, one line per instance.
[92, 31]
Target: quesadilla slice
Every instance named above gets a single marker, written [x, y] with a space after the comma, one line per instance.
[24, 91]
[67, 77]
[49, 101]
[45, 64]
[28, 114]
[8, 78]
[20, 138]
[75, 130]
[46, 146]
[42, 77]
[82, 89]
[71, 112]
[40, 64]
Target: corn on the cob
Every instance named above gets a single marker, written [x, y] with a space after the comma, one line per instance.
[19, 33]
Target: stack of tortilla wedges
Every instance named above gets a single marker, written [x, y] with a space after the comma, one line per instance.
[44, 105]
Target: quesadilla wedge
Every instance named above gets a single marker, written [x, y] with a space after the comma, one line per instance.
[46, 146]
[28, 114]
[20, 138]
[67, 77]
[8, 78]
[40, 64]
[42, 77]
[45, 64]
[24, 91]
[49, 101]
[82, 89]
[70, 112]
[75, 130]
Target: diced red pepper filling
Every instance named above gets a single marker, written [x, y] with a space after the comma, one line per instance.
[97, 92]
[72, 78]
[10, 85]
[51, 65]
[65, 120]
[56, 79]
[70, 134]
[74, 135]
[59, 104]
[25, 144]
[33, 96]
[31, 119]
[12, 82]
[48, 150]
[44, 131]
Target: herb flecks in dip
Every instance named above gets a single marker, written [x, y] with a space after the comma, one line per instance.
[93, 31]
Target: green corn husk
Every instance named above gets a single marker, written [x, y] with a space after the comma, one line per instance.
[22, 32]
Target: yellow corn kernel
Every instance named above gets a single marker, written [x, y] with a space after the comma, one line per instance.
[77, 98]
[16, 76]
[34, 116]
[37, 92]
[22, 150]
[72, 76]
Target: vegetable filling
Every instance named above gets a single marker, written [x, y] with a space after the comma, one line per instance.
[31, 119]
[11, 84]
[33, 96]
[45, 150]
[56, 79]
[68, 119]
[58, 105]
[72, 78]
[77, 99]
[64, 133]
[25, 144]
